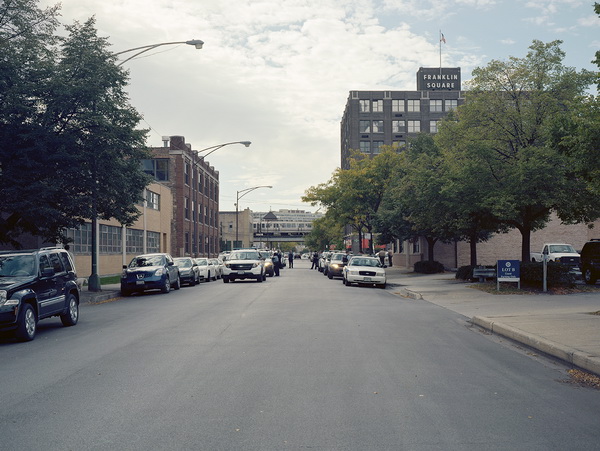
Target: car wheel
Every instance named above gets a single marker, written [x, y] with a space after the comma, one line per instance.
[264, 277]
[589, 276]
[225, 280]
[329, 276]
[125, 292]
[208, 279]
[72, 316]
[259, 279]
[166, 285]
[27, 324]
[177, 284]
[382, 286]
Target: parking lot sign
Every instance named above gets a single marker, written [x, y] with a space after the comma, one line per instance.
[508, 271]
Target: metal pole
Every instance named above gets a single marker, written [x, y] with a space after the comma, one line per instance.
[237, 201]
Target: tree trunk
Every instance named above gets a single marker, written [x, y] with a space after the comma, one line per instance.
[430, 243]
[525, 243]
[473, 248]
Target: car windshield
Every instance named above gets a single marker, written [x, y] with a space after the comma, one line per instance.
[17, 265]
[201, 262]
[564, 248]
[147, 260]
[364, 262]
[245, 255]
[337, 257]
[183, 262]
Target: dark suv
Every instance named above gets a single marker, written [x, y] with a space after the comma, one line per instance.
[35, 285]
[590, 261]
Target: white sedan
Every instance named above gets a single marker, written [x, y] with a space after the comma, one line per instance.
[364, 270]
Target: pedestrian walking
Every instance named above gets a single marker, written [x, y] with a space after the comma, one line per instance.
[381, 254]
[315, 261]
[275, 259]
[390, 255]
[291, 259]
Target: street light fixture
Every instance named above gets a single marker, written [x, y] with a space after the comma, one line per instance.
[94, 278]
[237, 203]
[217, 147]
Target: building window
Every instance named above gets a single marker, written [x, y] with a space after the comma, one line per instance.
[433, 126]
[152, 200]
[377, 106]
[153, 241]
[186, 243]
[157, 168]
[414, 126]
[364, 106]
[377, 126]
[186, 208]
[398, 105]
[451, 105]
[399, 144]
[414, 106]
[377, 146]
[398, 126]
[81, 239]
[200, 181]
[110, 239]
[365, 146]
[193, 210]
[416, 248]
[186, 173]
[436, 106]
[364, 127]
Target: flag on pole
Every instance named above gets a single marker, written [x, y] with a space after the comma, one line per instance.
[442, 38]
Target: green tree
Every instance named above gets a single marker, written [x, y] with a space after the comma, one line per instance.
[325, 231]
[353, 196]
[505, 129]
[75, 149]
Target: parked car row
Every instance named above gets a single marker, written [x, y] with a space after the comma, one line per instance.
[160, 271]
[359, 269]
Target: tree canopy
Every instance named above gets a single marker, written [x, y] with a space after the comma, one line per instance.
[70, 149]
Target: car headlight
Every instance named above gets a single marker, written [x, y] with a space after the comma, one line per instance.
[159, 272]
[255, 264]
[227, 265]
[3, 294]
[335, 265]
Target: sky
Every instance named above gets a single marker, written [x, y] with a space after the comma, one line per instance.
[278, 72]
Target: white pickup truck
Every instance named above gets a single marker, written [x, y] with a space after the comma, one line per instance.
[557, 252]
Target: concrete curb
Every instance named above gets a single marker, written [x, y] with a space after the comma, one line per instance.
[569, 355]
[89, 297]
[404, 292]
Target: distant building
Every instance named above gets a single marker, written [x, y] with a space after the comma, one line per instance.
[235, 233]
[373, 119]
[288, 226]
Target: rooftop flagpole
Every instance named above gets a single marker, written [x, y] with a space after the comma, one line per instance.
[442, 39]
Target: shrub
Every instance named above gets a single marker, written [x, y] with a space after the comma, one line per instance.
[558, 275]
[429, 267]
[464, 272]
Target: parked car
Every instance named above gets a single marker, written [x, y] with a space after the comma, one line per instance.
[150, 272]
[218, 265]
[188, 270]
[206, 269]
[244, 264]
[35, 285]
[590, 261]
[335, 265]
[364, 270]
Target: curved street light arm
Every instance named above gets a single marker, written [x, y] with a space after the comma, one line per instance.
[237, 203]
[145, 48]
[217, 147]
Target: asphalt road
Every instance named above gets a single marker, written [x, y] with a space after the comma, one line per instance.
[296, 362]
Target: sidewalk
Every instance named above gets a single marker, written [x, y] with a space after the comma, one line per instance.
[561, 326]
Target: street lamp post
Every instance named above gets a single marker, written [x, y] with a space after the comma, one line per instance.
[94, 278]
[209, 150]
[237, 204]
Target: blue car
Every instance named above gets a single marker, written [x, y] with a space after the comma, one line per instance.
[150, 272]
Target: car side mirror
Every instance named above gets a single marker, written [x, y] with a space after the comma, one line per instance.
[170, 263]
[124, 266]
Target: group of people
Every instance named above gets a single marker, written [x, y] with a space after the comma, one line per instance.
[382, 254]
[277, 259]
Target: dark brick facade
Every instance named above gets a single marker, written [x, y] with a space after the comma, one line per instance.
[195, 186]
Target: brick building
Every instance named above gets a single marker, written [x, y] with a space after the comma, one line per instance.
[195, 187]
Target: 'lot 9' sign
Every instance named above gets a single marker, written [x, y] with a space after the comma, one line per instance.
[508, 271]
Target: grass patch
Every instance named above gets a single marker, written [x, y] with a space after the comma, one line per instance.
[106, 280]
[512, 288]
